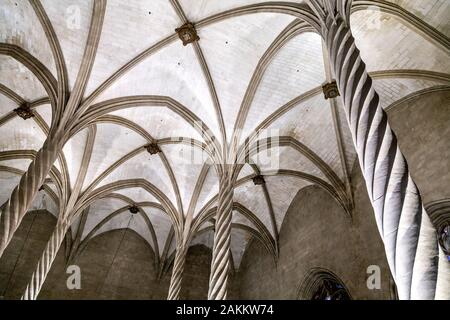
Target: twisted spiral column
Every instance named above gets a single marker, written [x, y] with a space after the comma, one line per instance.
[395, 198]
[177, 274]
[220, 264]
[23, 195]
[45, 263]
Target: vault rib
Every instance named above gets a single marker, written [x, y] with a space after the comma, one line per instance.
[58, 56]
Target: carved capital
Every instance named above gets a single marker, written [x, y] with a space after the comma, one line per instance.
[153, 148]
[24, 111]
[259, 180]
[187, 33]
[330, 90]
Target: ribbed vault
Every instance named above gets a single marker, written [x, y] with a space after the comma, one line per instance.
[256, 72]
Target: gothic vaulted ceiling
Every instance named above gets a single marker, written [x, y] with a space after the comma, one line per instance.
[257, 68]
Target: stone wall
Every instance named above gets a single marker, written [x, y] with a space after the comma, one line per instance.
[114, 265]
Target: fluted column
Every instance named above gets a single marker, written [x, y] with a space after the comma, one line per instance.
[23, 195]
[177, 273]
[394, 196]
[46, 261]
[220, 264]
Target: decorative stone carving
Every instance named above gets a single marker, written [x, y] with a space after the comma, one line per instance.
[259, 180]
[24, 111]
[330, 90]
[153, 148]
[187, 33]
[134, 209]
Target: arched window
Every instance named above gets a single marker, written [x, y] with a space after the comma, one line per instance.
[444, 239]
[439, 212]
[322, 284]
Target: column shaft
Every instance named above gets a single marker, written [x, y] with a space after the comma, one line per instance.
[177, 274]
[23, 195]
[394, 196]
[220, 265]
[46, 261]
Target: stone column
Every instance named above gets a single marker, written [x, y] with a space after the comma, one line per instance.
[410, 242]
[220, 265]
[46, 261]
[177, 273]
[23, 195]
